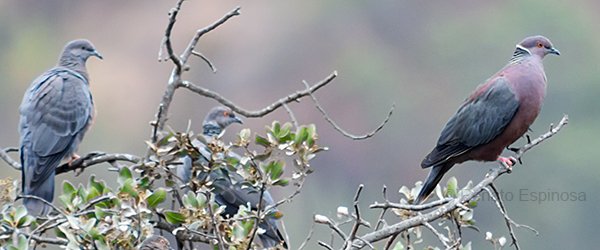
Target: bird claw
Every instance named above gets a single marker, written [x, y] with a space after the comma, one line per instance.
[507, 162]
[74, 157]
[513, 149]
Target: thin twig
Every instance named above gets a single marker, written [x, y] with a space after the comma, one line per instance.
[323, 244]
[380, 220]
[502, 209]
[39, 239]
[310, 233]
[291, 114]
[96, 158]
[257, 113]
[89, 160]
[411, 207]
[14, 164]
[179, 61]
[181, 235]
[553, 130]
[167, 38]
[340, 129]
[27, 196]
[199, 33]
[440, 236]
[214, 221]
[205, 59]
[357, 222]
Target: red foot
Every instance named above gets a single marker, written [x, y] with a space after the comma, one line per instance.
[507, 162]
[73, 158]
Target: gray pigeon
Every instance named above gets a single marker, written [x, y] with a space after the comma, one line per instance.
[56, 111]
[229, 187]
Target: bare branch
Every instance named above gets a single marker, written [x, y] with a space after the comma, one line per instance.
[457, 202]
[3, 154]
[183, 234]
[440, 236]
[26, 196]
[310, 233]
[357, 211]
[175, 78]
[553, 130]
[381, 221]
[411, 207]
[96, 158]
[91, 159]
[323, 244]
[291, 114]
[341, 130]
[322, 219]
[38, 239]
[509, 222]
[199, 33]
[268, 109]
[210, 64]
[167, 38]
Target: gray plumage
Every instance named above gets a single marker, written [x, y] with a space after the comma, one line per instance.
[155, 242]
[56, 111]
[230, 188]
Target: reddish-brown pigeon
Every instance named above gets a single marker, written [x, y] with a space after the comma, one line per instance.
[56, 111]
[494, 116]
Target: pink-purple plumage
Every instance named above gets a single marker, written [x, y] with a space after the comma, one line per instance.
[495, 115]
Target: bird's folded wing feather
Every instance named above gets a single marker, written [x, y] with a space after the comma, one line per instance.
[57, 109]
[478, 121]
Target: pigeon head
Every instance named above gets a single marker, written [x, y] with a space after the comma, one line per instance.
[80, 49]
[219, 118]
[537, 45]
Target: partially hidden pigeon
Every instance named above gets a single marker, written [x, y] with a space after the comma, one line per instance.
[229, 187]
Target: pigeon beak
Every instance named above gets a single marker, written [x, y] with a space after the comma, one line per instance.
[97, 54]
[238, 120]
[553, 51]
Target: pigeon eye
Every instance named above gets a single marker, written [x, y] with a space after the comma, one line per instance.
[225, 113]
[540, 45]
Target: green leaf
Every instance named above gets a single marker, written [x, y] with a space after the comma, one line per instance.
[232, 161]
[274, 169]
[128, 188]
[262, 141]
[281, 182]
[398, 246]
[144, 183]
[68, 188]
[157, 197]
[174, 217]
[452, 187]
[124, 175]
[301, 135]
[276, 127]
[165, 140]
[97, 185]
[189, 200]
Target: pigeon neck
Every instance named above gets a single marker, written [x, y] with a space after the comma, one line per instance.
[74, 63]
[211, 129]
[520, 54]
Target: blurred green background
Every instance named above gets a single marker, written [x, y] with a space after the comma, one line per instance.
[424, 56]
